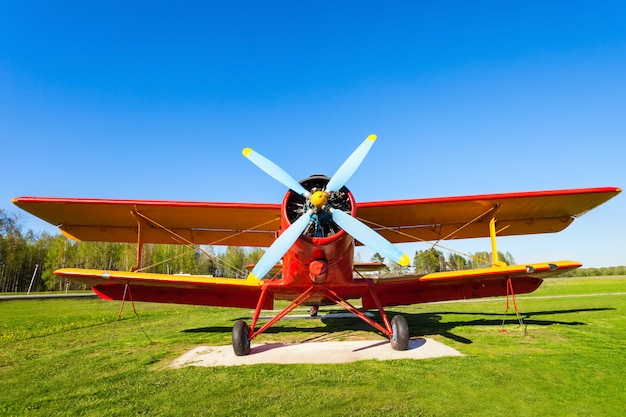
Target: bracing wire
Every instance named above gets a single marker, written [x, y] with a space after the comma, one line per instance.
[194, 247]
[436, 243]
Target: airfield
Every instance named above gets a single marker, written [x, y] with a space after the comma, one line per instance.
[316, 352]
[73, 357]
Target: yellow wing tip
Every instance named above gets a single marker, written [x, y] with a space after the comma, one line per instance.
[69, 236]
[246, 152]
[371, 137]
[404, 260]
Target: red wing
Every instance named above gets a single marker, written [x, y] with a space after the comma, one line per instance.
[162, 288]
[233, 224]
[468, 217]
[460, 285]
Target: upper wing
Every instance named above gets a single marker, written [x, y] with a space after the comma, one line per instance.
[233, 224]
[242, 224]
[469, 216]
[460, 285]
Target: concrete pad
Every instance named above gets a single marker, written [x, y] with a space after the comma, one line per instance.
[313, 353]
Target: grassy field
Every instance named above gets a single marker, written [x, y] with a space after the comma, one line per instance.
[71, 357]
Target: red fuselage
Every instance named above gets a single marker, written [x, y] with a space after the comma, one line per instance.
[318, 261]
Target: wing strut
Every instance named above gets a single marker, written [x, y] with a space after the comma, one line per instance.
[494, 247]
[492, 236]
[141, 224]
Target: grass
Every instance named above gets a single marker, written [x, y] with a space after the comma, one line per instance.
[71, 357]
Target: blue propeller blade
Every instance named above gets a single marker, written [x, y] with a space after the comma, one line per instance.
[369, 237]
[280, 246]
[351, 164]
[274, 171]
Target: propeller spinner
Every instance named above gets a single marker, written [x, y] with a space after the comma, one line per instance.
[318, 204]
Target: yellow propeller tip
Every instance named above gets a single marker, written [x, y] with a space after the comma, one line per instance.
[246, 152]
[252, 277]
[404, 260]
[371, 137]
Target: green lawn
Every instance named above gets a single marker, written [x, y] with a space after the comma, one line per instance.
[71, 357]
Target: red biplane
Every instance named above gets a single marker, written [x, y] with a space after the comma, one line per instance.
[314, 232]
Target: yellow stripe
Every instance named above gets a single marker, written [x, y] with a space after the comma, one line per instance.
[494, 271]
[120, 275]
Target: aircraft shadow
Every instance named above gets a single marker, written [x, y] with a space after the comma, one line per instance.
[420, 324]
[424, 324]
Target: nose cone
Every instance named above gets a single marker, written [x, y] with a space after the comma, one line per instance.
[319, 199]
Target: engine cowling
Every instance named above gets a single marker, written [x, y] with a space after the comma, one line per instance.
[323, 241]
[322, 225]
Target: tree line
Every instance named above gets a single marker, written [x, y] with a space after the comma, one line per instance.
[28, 260]
[433, 260]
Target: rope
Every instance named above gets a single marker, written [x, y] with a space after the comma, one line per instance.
[509, 291]
[119, 314]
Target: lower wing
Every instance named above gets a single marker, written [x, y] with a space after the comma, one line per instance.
[163, 288]
[466, 284]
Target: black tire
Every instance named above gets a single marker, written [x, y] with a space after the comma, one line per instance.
[400, 337]
[241, 344]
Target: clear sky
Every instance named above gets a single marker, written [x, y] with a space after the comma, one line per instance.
[156, 100]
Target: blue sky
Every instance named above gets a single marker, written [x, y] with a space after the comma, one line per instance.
[156, 100]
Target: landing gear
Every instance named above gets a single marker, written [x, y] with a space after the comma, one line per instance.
[397, 330]
[241, 343]
[400, 333]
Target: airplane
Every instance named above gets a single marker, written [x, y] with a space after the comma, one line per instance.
[314, 231]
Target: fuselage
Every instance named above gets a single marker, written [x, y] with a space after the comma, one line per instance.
[323, 256]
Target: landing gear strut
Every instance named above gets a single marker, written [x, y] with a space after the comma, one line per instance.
[397, 330]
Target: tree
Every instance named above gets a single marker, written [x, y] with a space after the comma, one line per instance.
[456, 262]
[231, 262]
[56, 257]
[483, 259]
[377, 257]
[253, 255]
[428, 261]
[15, 256]
[507, 258]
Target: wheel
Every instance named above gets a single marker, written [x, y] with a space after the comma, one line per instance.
[400, 337]
[241, 344]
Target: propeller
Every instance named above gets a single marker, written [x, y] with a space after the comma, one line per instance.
[274, 171]
[351, 164]
[280, 246]
[369, 237]
[316, 202]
